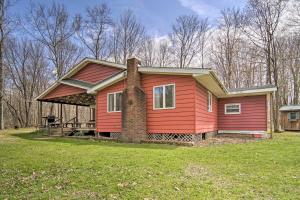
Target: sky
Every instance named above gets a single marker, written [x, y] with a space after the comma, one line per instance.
[156, 15]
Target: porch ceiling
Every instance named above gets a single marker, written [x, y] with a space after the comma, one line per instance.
[82, 99]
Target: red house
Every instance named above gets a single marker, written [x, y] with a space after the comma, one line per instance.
[134, 103]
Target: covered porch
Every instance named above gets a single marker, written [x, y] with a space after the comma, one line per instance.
[80, 109]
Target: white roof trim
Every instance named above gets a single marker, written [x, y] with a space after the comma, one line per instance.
[172, 71]
[74, 85]
[251, 92]
[108, 82]
[290, 108]
[43, 94]
[85, 61]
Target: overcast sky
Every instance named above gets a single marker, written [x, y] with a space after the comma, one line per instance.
[156, 15]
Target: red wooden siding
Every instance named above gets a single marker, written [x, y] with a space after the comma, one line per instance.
[94, 73]
[205, 121]
[253, 115]
[108, 122]
[64, 90]
[178, 120]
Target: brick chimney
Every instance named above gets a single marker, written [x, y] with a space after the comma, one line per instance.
[133, 105]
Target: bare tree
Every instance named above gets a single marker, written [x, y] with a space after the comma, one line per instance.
[26, 69]
[186, 38]
[93, 31]
[227, 45]
[52, 27]
[147, 52]
[263, 19]
[127, 37]
[5, 29]
[164, 53]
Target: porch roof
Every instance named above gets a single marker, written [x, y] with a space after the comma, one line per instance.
[82, 99]
[290, 108]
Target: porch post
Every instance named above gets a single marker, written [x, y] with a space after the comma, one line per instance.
[61, 120]
[76, 113]
[40, 114]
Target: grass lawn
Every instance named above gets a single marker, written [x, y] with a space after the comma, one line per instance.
[37, 167]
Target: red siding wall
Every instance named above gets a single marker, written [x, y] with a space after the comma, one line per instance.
[94, 73]
[205, 121]
[108, 122]
[253, 115]
[178, 120]
[64, 90]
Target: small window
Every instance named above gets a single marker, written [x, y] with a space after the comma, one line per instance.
[114, 102]
[233, 108]
[293, 116]
[209, 102]
[164, 96]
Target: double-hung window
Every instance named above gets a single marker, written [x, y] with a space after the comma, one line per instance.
[114, 102]
[164, 96]
[232, 108]
[209, 102]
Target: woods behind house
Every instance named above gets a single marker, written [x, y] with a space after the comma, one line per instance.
[251, 46]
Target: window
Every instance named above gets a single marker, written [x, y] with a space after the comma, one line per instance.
[293, 116]
[233, 108]
[114, 102]
[164, 96]
[209, 102]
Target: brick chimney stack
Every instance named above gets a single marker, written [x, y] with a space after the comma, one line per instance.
[133, 105]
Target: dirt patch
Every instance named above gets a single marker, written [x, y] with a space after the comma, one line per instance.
[196, 170]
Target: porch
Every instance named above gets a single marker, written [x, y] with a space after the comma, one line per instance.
[55, 122]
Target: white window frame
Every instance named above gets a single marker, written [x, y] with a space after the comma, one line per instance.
[115, 100]
[164, 97]
[209, 101]
[232, 113]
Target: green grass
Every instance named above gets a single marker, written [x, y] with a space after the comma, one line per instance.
[33, 166]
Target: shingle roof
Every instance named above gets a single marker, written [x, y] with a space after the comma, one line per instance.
[290, 108]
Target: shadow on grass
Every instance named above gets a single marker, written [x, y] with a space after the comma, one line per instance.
[41, 136]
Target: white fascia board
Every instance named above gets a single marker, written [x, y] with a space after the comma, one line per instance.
[74, 85]
[171, 71]
[107, 82]
[85, 61]
[261, 91]
[54, 85]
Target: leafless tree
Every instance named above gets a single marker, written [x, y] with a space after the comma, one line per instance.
[127, 37]
[147, 52]
[263, 19]
[5, 28]
[164, 53]
[227, 44]
[186, 36]
[94, 30]
[27, 67]
[52, 27]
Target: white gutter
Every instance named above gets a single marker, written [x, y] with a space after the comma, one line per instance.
[172, 71]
